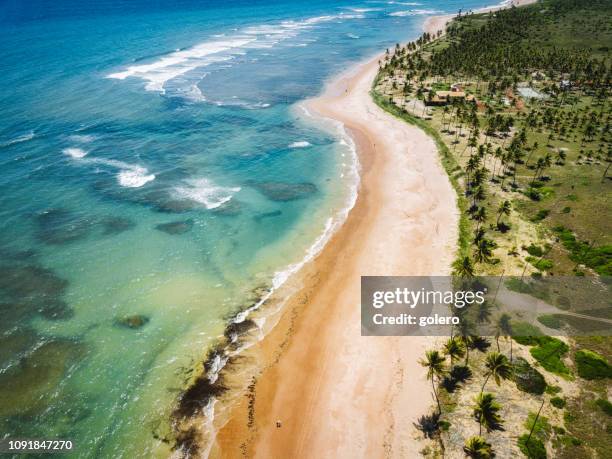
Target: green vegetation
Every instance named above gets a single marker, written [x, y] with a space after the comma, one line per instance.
[553, 390]
[526, 122]
[597, 258]
[549, 352]
[591, 365]
[527, 378]
[518, 103]
[478, 448]
[605, 406]
[558, 402]
[533, 448]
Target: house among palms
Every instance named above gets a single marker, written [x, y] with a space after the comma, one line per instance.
[447, 97]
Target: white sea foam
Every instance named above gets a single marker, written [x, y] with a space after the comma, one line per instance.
[180, 62]
[22, 138]
[363, 10]
[413, 13]
[220, 49]
[73, 152]
[135, 177]
[129, 175]
[300, 144]
[205, 192]
[353, 36]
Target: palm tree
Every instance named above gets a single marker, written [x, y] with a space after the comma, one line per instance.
[503, 328]
[482, 252]
[486, 411]
[454, 349]
[434, 362]
[498, 366]
[477, 448]
[463, 267]
[484, 312]
[504, 209]
[480, 216]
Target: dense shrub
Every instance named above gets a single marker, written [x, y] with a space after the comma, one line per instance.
[549, 352]
[605, 405]
[527, 378]
[591, 365]
[534, 449]
[557, 402]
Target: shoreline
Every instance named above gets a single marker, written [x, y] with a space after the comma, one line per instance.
[404, 222]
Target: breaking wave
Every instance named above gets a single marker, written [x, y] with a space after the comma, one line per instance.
[186, 61]
[205, 192]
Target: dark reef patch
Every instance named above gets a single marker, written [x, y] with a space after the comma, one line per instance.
[61, 226]
[282, 191]
[176, 228]
[204, 387]
[116, 225]
[26, 388]
[134, 322]
[234, 330]
[26, 290]
[230, 208]
[260, 217]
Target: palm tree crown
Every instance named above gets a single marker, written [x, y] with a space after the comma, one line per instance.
[486, 412]
[477, 448]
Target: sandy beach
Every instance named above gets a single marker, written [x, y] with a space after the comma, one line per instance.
[336, 393]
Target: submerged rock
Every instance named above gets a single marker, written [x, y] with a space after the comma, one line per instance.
[260, 217]
[134, 321]
[228, 209]
[61, 226]
[26, 387]
[282, 191]
[29, 290]
[116, 225]
[30, 282]
[174, 228]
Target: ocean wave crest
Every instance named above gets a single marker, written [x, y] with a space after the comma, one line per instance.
[73, 152]
[205, 192]
[221, 48]
[413, 13]
[19, 139]
[300, 144]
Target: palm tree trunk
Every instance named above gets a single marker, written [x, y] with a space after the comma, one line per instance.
[533, 426]
[485, 383]
[433, 386]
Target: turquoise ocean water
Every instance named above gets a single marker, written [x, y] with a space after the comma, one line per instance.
[155, 170]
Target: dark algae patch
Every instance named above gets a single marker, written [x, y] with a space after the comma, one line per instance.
[176, 228]
[134, 322]
[27, 387]
[282, 191]
[116, 225]
[62, 226]
[26, 290]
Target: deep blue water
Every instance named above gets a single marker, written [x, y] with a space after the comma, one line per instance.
[154, 163]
